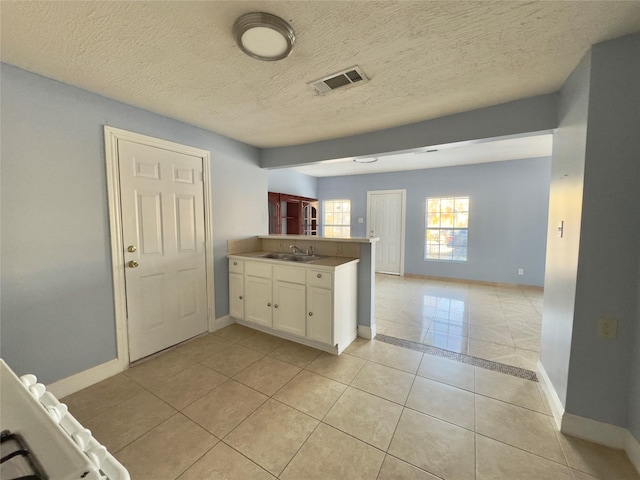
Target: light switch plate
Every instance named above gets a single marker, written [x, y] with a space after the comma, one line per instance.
[607, 327]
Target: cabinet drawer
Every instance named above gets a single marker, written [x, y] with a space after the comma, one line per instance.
[289, 274]
[236, 266]
[258, 269]
[316, 278]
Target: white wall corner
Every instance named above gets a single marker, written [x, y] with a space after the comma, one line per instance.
[367, 332]
[86, 378]
[222, 322]
[632, 447]
[557, 408]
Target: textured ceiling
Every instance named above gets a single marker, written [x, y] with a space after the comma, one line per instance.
[425, 59]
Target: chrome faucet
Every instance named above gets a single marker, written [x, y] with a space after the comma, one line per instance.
[295, 249]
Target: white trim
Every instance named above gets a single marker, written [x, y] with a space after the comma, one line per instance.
[208, 235]
[403, 223]
[86, 378]
[117, 257]
[111, 138]
[367, 332]
[602, 433]
[594, 431]
[632, 447]
[553, 400]
[223, 322]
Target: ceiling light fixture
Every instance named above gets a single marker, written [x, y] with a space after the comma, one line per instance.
[264, 36]
[365, 160]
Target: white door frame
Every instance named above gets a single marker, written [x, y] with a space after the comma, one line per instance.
[403, 202]
[111, 138]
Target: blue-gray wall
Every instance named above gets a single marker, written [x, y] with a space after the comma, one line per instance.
[57, 292]
[565, 205]
[284, 180]
[596, 190]
[507, 221]
[600, 369]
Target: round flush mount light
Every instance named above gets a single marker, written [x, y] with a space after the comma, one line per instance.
[264, 36]
[365, 160]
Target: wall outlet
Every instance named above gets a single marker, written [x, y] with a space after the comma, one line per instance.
[360, 220]
[607, 327]
[521, 271]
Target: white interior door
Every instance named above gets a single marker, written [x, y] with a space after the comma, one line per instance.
[163, 231]
[385, 220]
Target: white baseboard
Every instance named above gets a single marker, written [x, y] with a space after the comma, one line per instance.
[632, 447]
[557, 408]
[603, 434]
[366, 332]
[223, 322]
[86, 378]
[592, 430]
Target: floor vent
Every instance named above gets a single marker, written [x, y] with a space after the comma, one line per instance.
[338, 80]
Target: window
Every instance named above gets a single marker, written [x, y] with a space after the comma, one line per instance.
[447, 227]
[337, 218]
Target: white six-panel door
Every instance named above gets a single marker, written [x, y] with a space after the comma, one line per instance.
[385, 220]
[163, 232]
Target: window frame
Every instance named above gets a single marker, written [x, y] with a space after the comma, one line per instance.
[344, 214]
[454, 233]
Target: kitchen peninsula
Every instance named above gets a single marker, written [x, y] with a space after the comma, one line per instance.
[347, 271]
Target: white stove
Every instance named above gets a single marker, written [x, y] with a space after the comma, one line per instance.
[58, 446]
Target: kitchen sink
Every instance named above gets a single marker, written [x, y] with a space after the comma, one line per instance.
[292, 257]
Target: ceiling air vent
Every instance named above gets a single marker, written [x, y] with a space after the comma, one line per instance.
[338, 80]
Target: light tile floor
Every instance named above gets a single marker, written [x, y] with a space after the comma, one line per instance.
[497, 323]
[239, 404]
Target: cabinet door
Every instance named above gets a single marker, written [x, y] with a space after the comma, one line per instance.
[289, 307]
[236, 295]
[275, 226]
[319, 315]
[257, 304]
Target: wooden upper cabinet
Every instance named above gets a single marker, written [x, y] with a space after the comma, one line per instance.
[292, 215]
[275, 225]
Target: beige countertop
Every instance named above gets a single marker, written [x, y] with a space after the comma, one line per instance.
[321, 239]
[324, 261]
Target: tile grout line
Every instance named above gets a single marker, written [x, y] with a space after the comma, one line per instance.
[526, 451]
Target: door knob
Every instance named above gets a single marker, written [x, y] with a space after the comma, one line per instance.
[131, 248]
[133, 264]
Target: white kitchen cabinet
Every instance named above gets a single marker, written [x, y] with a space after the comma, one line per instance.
[236, 295]
[257, 304]
[310, 304]
[289, 307]
[319, 314]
